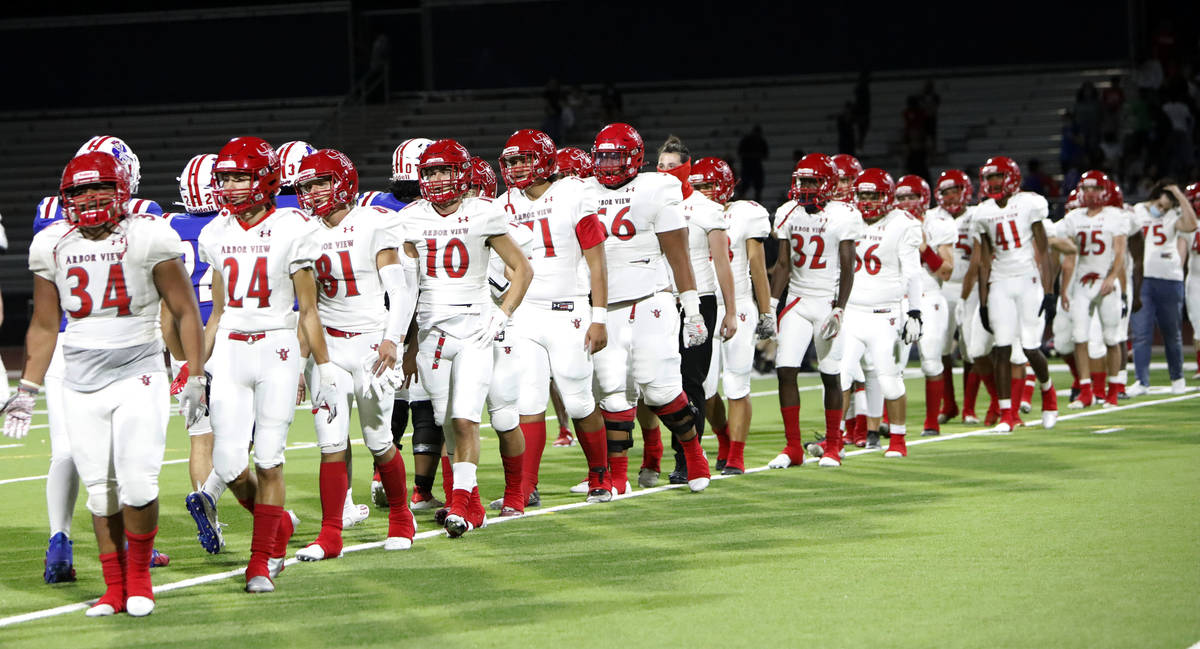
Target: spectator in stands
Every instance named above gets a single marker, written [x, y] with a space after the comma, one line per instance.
[846, 122]
[1070, 150]
[1037, 180]
[930, 101]
[552, 123]
[611, 103]
[1111, 101]
[1180, 148]
[752, 150]
[1087, 114]
[916, 138]
[862, 105]
[576, 105]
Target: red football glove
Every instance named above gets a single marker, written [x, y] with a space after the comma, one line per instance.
[180, 379]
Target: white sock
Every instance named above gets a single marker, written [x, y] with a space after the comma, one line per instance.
[1122, 376]
[62, 489]
[1049, 384]
[1005, 404]
[214, 486]
[465, 476]
[897, 429]
[860, 402]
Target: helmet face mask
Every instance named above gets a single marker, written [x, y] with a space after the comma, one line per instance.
[326, 182]
[847, 168]
[912, 195]
[316, 195]
[874, 193]
[1095, 189]
[814, 181]
[617, 155]
[713, 178]
[444, 172]
[953, 191]
[999, 178]
[246, 175]
[528, 158]
[94, 190]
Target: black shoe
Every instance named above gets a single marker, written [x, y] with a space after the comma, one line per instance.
[720, 465]
[873, 439]
[1122, 396]
[678, 476]
[439, 517]
[1074, 395]
[885, 429]
[928, 432]
[534, 499]
[731, 470]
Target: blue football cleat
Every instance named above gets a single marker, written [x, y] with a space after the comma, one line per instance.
[158, 559]
[59, 560]
[204, 512]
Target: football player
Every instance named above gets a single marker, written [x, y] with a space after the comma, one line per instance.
[291, 154]
[749, 224]
[573, 161]
[558, 329]
[62, 480]
[483, 179]
[847, 168]
[913, 196]
[708, 245]
[1013, 263]
[953, 193]
[643, 216]
[359, 264]
[263, 260]
[816, 236]
[107, 270]
[450, 236]
[1191, 288]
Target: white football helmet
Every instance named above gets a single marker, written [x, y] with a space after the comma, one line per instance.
[196, 185]
[406, 157]
[117, 148]
[290, 155]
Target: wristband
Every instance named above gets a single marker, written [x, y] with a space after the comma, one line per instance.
[690, 301]
[326, 369]
[29, 386]
[933, 260]
[599, 315]
[774, 304]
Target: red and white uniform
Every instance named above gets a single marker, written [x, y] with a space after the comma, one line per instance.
[1191, 287]
[642, 356]
[508, 364]
[936, 333]
[813, 283]
[735, 360]
[963, 246]
[115, 383]
[888, 260]
[1063, 327]
[703, 216]
[255, 363]
[350, 303]
[454, 304]
[553, 319]
[1015, 286]
[1095, 237]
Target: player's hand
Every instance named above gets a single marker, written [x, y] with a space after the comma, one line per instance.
[383, 385]
[301, 390]
[1049, 306]
[385, 358]
[728, 326]
[493, 330]
[694, 331]
[960, 312]
[912, 327]
[832, 324]
[193, 400]
[983, 318]
[18, 410]
[1108, 286]
[596, 337]
[408, 365]
[1066, 302]
[180, 379]
[325, 394]
[766, 326]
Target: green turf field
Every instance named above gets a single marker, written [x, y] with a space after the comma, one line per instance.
[1086, 536]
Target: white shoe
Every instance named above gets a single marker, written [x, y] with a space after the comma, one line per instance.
[101, 610]
[600, 496]
[1049, 419]
[698, 484]
[274, 567]
[647, 478]
[496, 504]
[1002, 427]
[1026, 407]
[781, 461]
[1178, 386]
[580, 488]
[628, 489]
[970, 419]
[1104, 405]
[397, 543]
[260, 584]
[378, 494]
[311, 552]
[1076, 405]
[139, 606]
[1137, 389]
[354, 514]
[829, 461]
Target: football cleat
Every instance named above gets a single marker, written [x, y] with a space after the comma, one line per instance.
[815, 449]
[896, 447]
[647, 477]
[929, 432]
[422, 500]
[732, 470]
[829, 461]
[534, 499]
[354, 514]
[565, 438]
[457, 525]
[970, 419]
[204, 512]
[379, 494]
[59, 563]
[781, 461]
[873, 439]
[698, 484]
[439, 517]
[260, 584]
[720, 465]
[397, 543]
[158, 559]
[678, 476]
[580, 488]
[1049, 419]
[497, 504]
[1077, 404]
[600, 495]
[948, 414]
[1026, 407]
[139, 606]
[885, 429]
[311, 552]
[509, 512]
[275, 565]
[101, 610]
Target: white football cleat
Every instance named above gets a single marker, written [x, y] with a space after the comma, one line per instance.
[829, 461]
[1178, 386]
[397, 543]
[496, 504]
[647, 478]
[311, 552]
[260, 584]
[781, 461]
[139, 606]
[1076, 405]
[600, 495]
[101, 610]
[1002, 427]
[970, 419]
[1049, 418]
[580, 488]
[354, 514]
[1137, 389]
[274, 567]
[1026, 406]
[698, 484]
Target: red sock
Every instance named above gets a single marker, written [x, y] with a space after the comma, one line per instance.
[885, 416]
[1027, 394]
[447, 479]
[970, 393]
[1114, 392]
[476, 514]
[618, 467]
[1085, 393]
[722, 434]
[333, 480]
[934, 386]
[652, 448]
[263, 540]
[534, 433]
[860, 429]
[791, 430]
[948, 400]
[697, 463]
[1098, 382]
[514, 491]
[833, 436]
[1017, 387]
[460, 500]
[112, 565]
[391, 474]
[737, 455]
[137, 564]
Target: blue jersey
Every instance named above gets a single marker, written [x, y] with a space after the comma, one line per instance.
[386, 200]
[49, 211]
[188, 227]
[289, 200]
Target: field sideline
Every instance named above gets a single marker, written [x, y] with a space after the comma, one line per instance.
[1034, 539]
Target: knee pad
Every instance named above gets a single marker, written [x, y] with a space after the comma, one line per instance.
[620, 445]
[399, 418]
[665, 394]
[932, 367]
[578, 405]
[377, 440]
[679, 416]
[102, 498]
[505, 419]
[333, 447]
[621, 421]
[427, 436]
[139, 492]
[892, 387]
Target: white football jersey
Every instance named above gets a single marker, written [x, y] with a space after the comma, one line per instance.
[814, 240]
[257, 264]
[889, 252]
[633, 215]
[563, 223]
[349, 292]
[747, 220]
[1010, 229]
[1161, 258]
[938, 232]
[1193, 254]
[106, 287]
[497, 282]
[453, 254]
[964, 240]
[703, 216]
[1093, 235]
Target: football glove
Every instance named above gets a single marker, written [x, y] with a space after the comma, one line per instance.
[694, 331]
[766, 326]
[325, 394]
[493, 330]
[983, 318]
[911, 332]
[180, 379]
[18, 410]
[1048, 306]
[832, 324]
[385, 384]
[193, 399]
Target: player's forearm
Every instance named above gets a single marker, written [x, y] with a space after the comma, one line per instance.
[39, 348]
[758, 276]
[681, 267]
[170, 334]
[1068, 271]
[192, 337]
[598, 272]
[310, 329]
[522, 276]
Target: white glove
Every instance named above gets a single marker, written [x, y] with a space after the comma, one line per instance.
[325, 393]
[193, 400]
[494, 328]
[912, 328]
[832, 324]
[960, 313]
[766, 325]
[384, 385]
[694, 331]
[18, 410]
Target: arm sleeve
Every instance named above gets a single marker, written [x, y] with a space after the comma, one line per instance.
[402, 300]
[910, 263]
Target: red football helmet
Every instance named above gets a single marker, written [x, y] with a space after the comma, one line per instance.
[819, 171]
[949, 180]
[882, 189]
[1116, 197]
[913, 195]
[847, 168]
[483, 178]
[343, 182]
[1095, 189]
[1011, 178]
[99, 207]
[617, 154]
[716, 175]
[247, 155]
[455, 157]
[573, 161]
[1193, 194]
[1072, 200]
[532, 153]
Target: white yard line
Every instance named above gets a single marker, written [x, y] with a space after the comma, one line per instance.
[205, 579]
